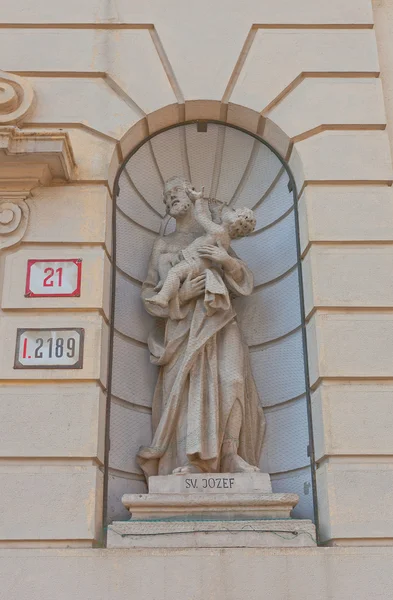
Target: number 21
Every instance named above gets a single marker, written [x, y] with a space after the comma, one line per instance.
[48, 281]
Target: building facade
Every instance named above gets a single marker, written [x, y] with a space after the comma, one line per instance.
[86, 86]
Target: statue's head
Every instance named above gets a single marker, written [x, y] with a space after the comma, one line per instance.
[241, 221]
[176, 197]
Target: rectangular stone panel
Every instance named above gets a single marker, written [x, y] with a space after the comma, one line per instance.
[94, 351]
[320, 157]
[319, 101]
[353, 419]
[298, 11]
[346, 213]
[349, 276]
[279, 56]
[50, 502]
[95, 103]
[355, 499]
[95, 278]
[95, 156]
[49, 420]
[357, 344]
[68, 213]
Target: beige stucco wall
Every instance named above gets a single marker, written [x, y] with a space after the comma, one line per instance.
[307, 74]
[196, 574]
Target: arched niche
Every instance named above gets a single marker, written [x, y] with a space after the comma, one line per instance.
[241, 168]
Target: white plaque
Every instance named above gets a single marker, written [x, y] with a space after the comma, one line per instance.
[49, 348]
[53, 277]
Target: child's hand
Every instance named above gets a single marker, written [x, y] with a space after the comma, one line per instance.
[194, 195]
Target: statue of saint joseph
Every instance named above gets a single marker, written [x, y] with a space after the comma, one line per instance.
[206, 414]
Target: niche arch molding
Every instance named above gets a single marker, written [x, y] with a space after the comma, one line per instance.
[278, 350]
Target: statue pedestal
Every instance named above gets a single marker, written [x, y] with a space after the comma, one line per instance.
[210, 510]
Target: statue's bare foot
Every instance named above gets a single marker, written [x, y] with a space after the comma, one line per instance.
[158, 300]
[186, 469]
[233, 463]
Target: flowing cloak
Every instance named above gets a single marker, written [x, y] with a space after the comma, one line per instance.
[204, 369]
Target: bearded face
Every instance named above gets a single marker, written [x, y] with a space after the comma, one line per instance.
[177, 201]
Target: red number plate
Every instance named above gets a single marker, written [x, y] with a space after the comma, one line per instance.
[53, 278]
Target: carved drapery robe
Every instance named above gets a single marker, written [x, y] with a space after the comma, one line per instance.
[204, 369]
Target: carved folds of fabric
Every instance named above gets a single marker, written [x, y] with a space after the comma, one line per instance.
[16, 98]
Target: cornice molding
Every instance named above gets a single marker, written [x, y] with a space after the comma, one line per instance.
[28, 158]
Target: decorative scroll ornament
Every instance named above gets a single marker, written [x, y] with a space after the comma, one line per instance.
[16, 98]
[14, 214]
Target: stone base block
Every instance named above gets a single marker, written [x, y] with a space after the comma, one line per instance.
[211, 534]
[225, 506]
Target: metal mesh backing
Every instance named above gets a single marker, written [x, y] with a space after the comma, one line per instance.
[234, 168]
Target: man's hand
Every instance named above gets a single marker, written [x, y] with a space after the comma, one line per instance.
[216, 254]
[191, 288]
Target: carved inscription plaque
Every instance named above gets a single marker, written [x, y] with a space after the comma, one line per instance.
[210, 483]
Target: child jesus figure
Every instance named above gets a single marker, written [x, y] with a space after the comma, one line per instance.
[235, 223]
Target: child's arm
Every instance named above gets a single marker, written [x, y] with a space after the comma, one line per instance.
[202, 213]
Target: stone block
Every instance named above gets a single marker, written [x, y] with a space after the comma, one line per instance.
[354, 500]
[281, 55]
[88, 50]
[299, 11]
[223, 574]
[213, 534]
[348, 276]
[276, 137]
[72, 214]
[50, 502]
[320, 102]
[50, 420]
[210, 483]
[95, 279]
[95, 345]
[358, 344]
[367, 158]
[346, 213]
[90, 101]
[216, 506]
[353, 419]
[243, 117]
[93, 154]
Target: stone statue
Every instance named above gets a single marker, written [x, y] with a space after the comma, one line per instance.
[196, 258]
[206, 412]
